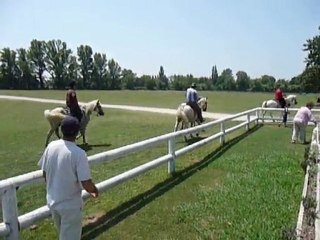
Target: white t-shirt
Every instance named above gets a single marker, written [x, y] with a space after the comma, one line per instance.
[191, 95]
[66, 165]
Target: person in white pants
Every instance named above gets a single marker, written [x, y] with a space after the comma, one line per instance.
[66, 171]
[300, 122]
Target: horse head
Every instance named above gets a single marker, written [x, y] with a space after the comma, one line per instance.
[94, 106]
[98, 108]
[203, 103]
[291, 100]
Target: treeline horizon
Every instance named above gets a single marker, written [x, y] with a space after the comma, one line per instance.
[52, 65]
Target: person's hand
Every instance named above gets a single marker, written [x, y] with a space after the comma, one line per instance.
[94, 194]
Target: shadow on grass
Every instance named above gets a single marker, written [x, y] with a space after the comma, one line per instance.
[116, 215]
[88, 147]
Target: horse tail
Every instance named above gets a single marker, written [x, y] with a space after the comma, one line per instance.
[264, 104]
[54, 118]
[46, 113]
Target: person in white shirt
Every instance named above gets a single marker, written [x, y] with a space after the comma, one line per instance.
[66, 171]
[192, 100]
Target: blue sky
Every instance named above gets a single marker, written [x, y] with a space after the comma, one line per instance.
[184, 36]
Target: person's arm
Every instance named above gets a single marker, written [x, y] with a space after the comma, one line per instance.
[44, 174]
[196, 96]
[84, 177]
[90, 187]
[311, 118]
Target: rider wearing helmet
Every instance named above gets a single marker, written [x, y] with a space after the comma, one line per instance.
[192, 100]
[72, 101]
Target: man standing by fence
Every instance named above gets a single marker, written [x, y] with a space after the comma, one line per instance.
[66, 170]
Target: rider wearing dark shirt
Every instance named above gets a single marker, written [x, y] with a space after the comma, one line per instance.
[72, 101]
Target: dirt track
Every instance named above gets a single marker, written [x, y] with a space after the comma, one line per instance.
[124, 107]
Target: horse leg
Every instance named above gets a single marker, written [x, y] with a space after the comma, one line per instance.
[192, 125]
[83, 134]
[50, 132]
[176, 125]
[271, 115]
[183, 125]
[56, 131]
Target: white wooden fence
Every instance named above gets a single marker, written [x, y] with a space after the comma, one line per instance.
[12, 223]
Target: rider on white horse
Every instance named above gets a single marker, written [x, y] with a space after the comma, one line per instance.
[72, 101]
[192, 100]
[278, 96]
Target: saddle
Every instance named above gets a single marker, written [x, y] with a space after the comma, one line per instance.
[67, 111]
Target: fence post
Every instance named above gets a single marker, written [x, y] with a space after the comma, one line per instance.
[222, 129]
[10, 212]
[171, 150]
[257, 117]
[248, 122]
[262, 115]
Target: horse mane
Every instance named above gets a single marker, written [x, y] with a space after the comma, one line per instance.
[291, 96]
[88, 107]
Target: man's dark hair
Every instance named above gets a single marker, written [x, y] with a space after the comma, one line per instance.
[70, 126]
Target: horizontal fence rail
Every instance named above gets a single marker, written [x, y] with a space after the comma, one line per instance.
[12, 222]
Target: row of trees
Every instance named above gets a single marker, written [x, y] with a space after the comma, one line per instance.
[53, 65]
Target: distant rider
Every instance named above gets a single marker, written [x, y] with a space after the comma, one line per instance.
[192, 100]
[72, 101]
[279, 97]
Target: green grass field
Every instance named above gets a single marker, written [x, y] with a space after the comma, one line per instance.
[248, 189]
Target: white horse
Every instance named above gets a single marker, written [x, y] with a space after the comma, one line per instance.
[56, 115]
[186, 115]
[291, 101]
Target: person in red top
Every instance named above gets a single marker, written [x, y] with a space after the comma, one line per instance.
[278, 96]
[72, 101]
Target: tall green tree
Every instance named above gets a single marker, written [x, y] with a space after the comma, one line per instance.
[310, 77]
[243, 81]
[26, 67]
[312, 46]
[57, 59]
[86, 64]
[214, 75]
[73, 70]
[114, 71]
[99, 74]
[9, 69]
[149, 81]
[37, 55]
[163, 82]
[268, 82]
[226, 80]
[128, 79]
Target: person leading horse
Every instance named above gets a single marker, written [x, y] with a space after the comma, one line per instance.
[72, 101]
[192, 100]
